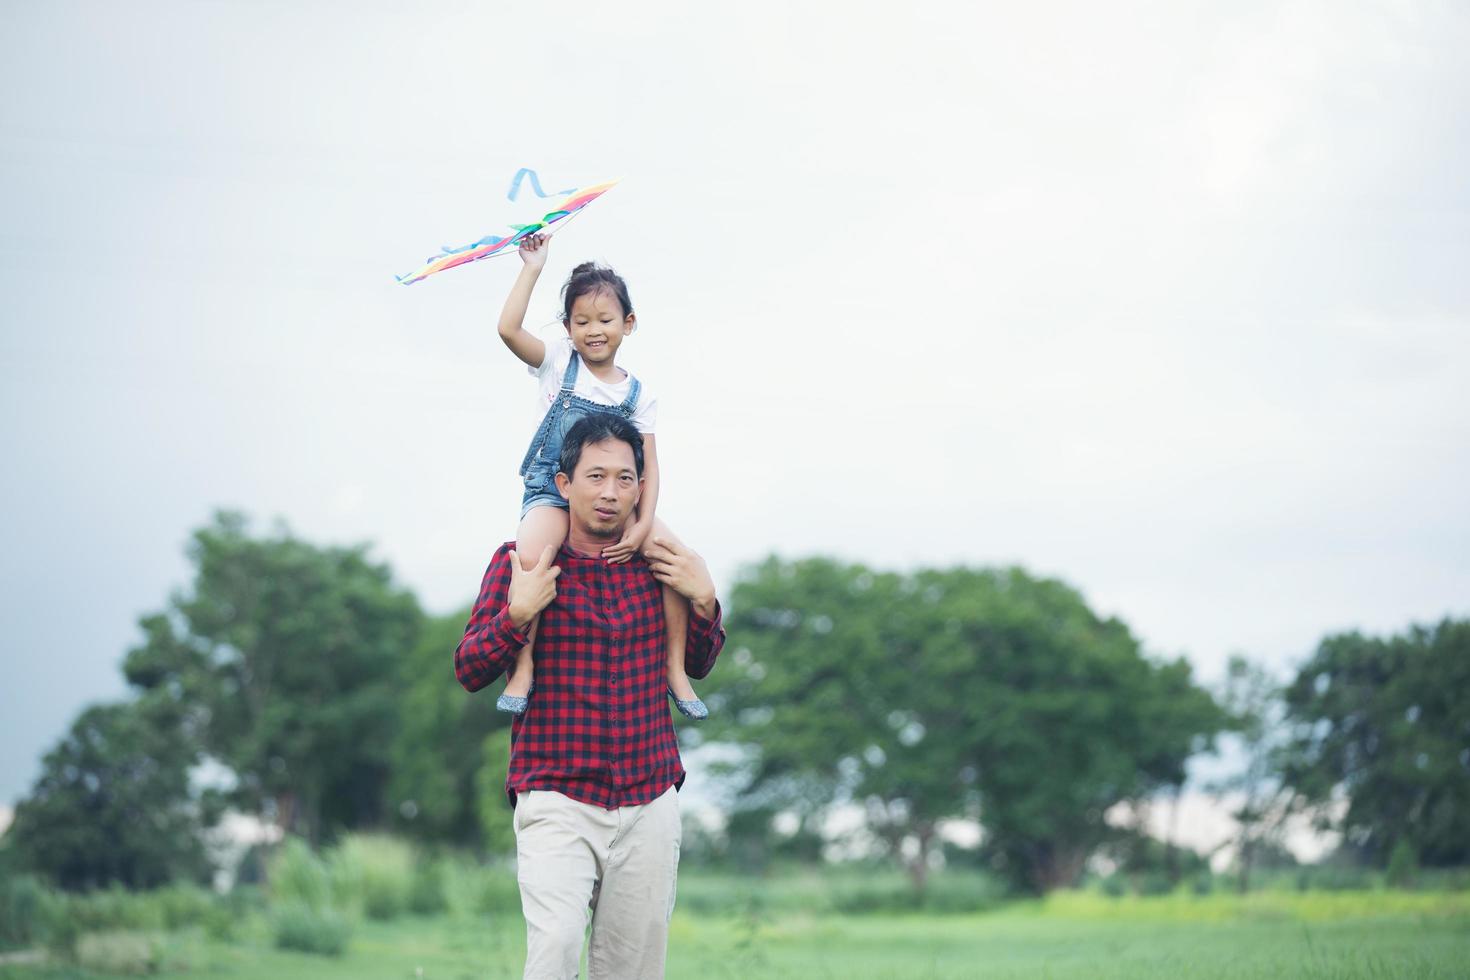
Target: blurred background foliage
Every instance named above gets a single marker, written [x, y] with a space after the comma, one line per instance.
[298, 686]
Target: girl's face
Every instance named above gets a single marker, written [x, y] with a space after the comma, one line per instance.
[598, 325]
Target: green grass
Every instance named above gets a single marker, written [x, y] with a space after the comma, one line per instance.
[1069, 935]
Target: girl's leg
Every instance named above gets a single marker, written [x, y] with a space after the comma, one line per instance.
[541, 527]
[676, 625]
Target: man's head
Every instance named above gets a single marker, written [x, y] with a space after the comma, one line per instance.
[601, 474]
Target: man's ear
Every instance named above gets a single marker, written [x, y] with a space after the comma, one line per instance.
[563, 483]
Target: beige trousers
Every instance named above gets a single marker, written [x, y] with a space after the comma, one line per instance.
[620, 865]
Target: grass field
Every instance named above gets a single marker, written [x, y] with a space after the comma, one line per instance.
[1070, 935]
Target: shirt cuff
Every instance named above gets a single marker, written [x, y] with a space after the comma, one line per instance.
[700, 624]
[506, 630]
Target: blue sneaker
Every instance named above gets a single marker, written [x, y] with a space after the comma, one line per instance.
[690, 709]
[515, 705]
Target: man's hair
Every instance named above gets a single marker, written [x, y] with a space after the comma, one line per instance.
[594, 428]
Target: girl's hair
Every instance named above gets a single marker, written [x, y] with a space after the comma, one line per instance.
[589, 277]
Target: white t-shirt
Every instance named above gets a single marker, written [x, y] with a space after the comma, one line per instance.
[589, 386]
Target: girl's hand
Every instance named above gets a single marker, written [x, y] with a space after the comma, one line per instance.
[630, 545]
[533, 250]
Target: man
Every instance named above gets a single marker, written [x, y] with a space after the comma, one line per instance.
[594, 764]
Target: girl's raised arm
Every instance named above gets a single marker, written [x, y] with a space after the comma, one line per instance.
[522, 343]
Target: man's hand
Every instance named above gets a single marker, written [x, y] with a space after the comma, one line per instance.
[533, 250]
[531, 591]
[630, 545]
[683, 571]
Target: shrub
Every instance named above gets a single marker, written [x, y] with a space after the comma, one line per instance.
[1336, 877]
[22, 911]
[1154, 883]
[475, 890]
[245, 899]
[62, 930]
[186, 905]
[876, 894]
[297, 875]
[712, 895]
[427, 895]
[497, 891]
[233, 909]
[125, 953]
[374, 873]
[301, 927]
[117, 910]
[1403, 865]
[170, 909]
[963, 892]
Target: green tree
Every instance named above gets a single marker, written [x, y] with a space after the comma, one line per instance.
[287, 654]
[439, 745]
[949, 693]
[1384, 722]
[114, 804]
[1252, 698]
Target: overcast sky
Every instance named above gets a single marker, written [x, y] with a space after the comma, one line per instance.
[1169, 300]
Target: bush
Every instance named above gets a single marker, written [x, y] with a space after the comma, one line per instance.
[497, 892]
[62, 930]
[374, 873]
[1403, 865]
[162, 909]
[1154, 883]
[301, 927]
[874, 896]
[185, 905]
[125, 953]
[427, 895]
[22, 911]
[1336, 878]
[245, 900]
[476, 890]
[299, 876]
[963, 892]
[117, 910]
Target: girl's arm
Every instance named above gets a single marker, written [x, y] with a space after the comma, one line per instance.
[522, 343]
[637, 533]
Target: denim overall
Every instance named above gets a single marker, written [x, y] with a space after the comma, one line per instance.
[543, 456]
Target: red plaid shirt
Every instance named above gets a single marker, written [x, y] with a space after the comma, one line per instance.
[598, 728]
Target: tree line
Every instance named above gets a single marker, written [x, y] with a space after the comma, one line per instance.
[301, 684]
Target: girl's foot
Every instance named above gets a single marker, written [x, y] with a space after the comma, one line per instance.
[515, 703]
[686, 700]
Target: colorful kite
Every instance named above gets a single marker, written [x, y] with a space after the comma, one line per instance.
[490, 245]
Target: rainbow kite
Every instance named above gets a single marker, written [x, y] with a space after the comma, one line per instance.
[490, 245]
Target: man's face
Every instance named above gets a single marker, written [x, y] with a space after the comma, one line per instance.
[604, 490]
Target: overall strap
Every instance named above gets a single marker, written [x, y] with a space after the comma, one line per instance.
[631, 402]
[569, 379]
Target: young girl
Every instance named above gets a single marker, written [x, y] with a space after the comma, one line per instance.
[577, 376]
